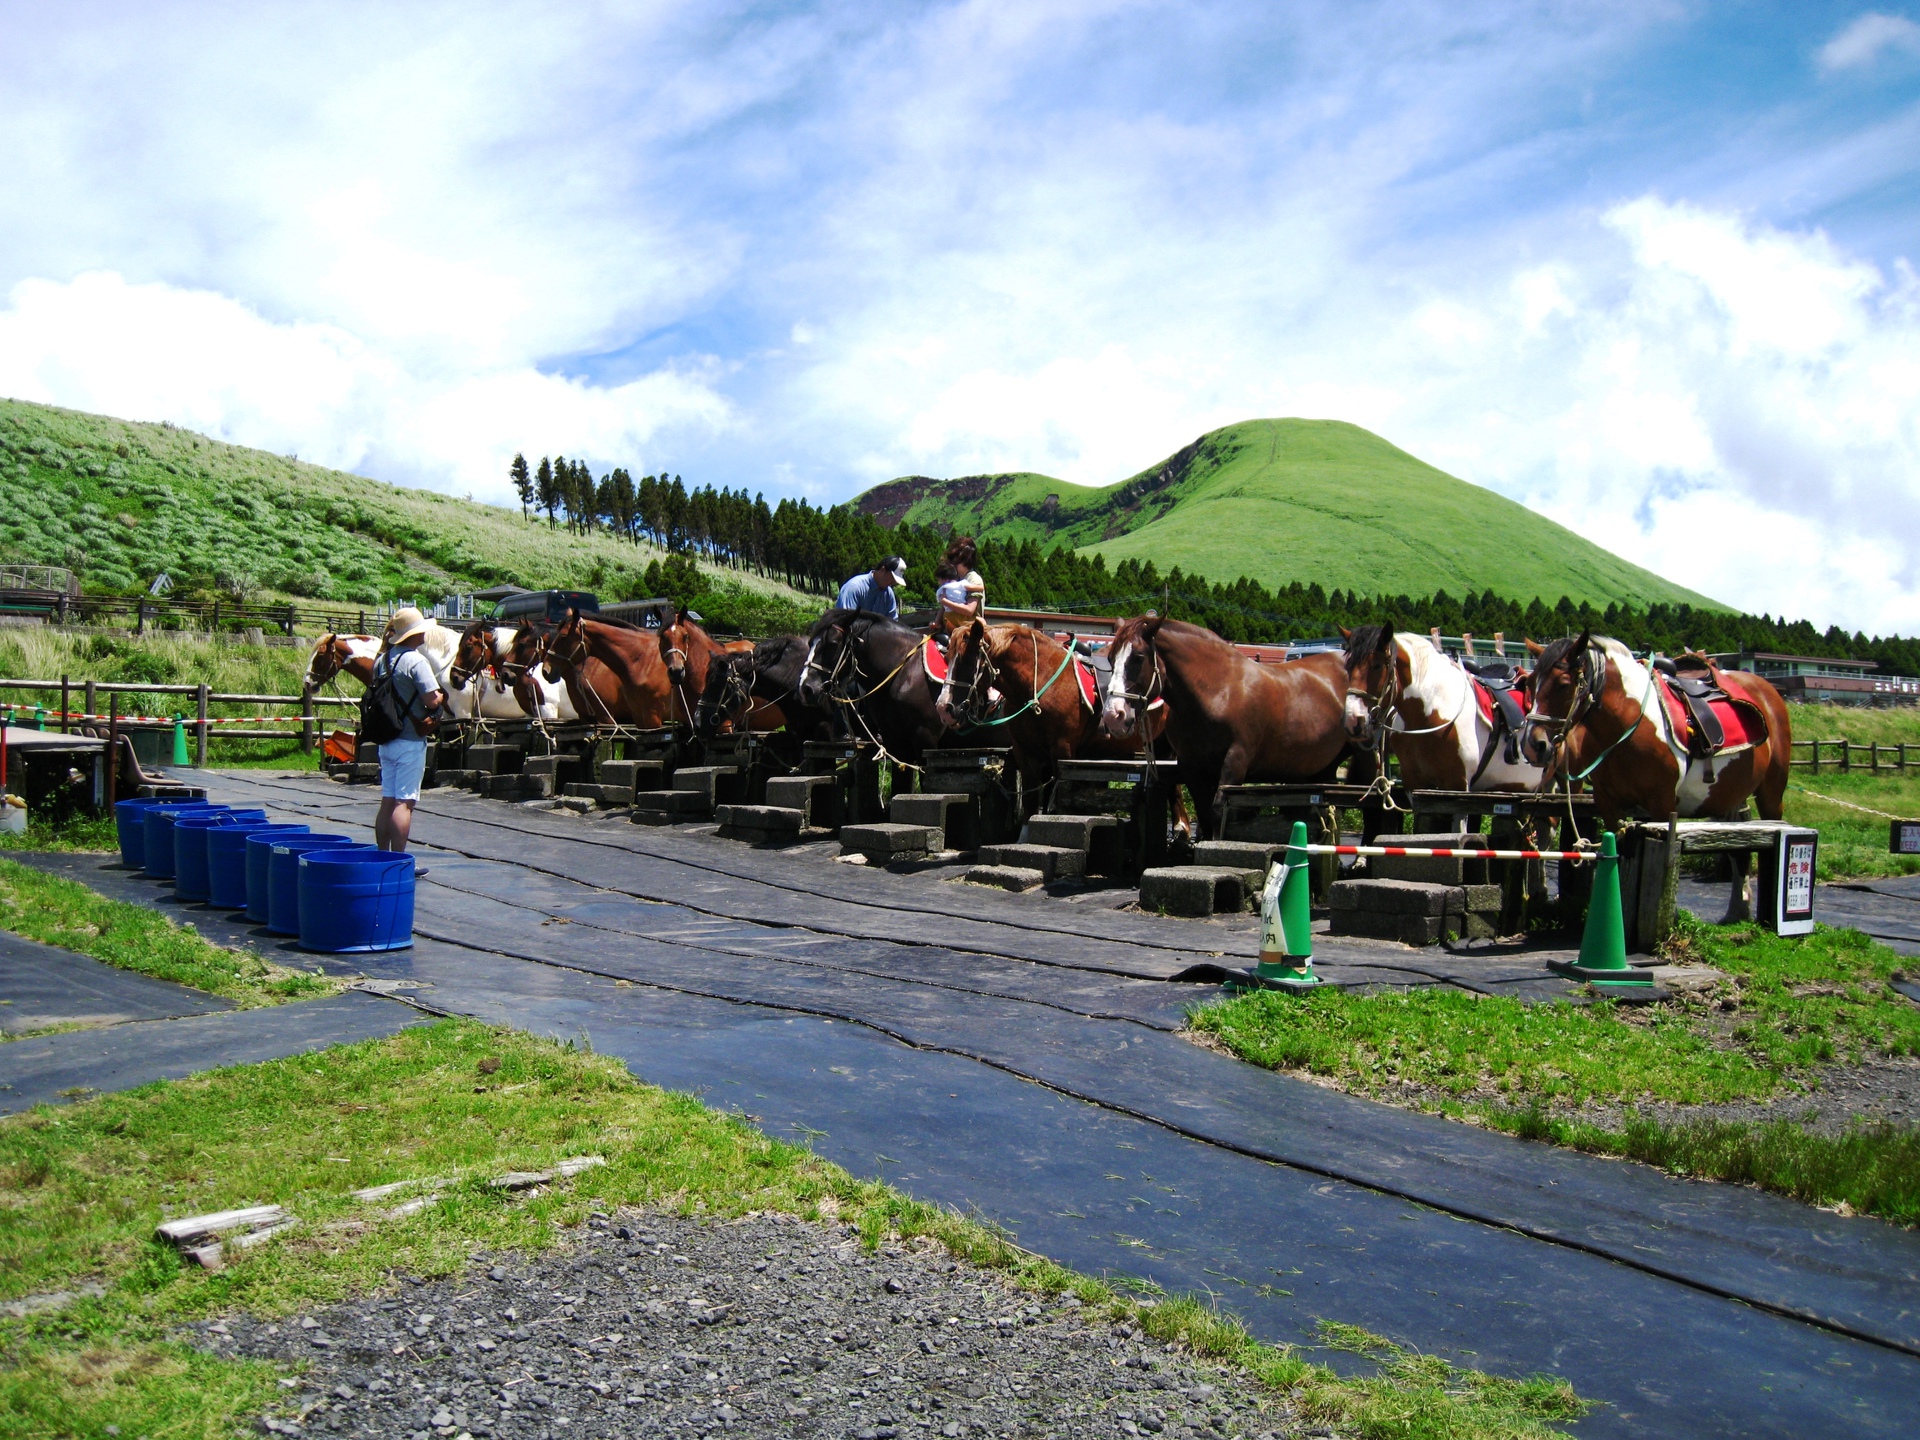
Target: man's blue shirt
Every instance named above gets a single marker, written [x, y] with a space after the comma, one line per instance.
[863, 592]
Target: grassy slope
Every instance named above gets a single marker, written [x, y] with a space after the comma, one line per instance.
[1308, 500]
[127, 499]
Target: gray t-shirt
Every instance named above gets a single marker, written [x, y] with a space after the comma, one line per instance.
[413, 681]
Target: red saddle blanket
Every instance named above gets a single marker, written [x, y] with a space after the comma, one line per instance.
[936, 661]
[1740, 721]
[1089, 689]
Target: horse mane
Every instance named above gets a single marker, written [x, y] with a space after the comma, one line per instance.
[1556, 652]
[1362, 641]
[1135, 630]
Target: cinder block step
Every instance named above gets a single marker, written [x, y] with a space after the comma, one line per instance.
[1431, 870]
[565, 769]
[634, 774]
[1195, 890]
[605, 796]
[1006, 877]
[1053, 861]
[496, 759]
[366, 755]
[760, 824]
[1393, 897]
[663, 807]
[515, 787]
[1254, 855]
[713, 783]
[1413, 912]
[886, 841]
[932, 811]
[806, 793]
[364, 771]
[1068, 832]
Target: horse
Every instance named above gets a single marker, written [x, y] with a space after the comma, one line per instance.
[631, 659]
[1230, 721]
[691, 655]
[1403, 692]
[873, 670]
[590, 690]
[761, 680]
[1049, 719]
[354, 655]
[484, 646]
[1598, 717]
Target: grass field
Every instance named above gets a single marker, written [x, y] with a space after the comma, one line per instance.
[1317, 501]
[1788, 1007]
[87, 1184]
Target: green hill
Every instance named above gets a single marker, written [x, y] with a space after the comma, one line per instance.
[120, 501]
[1293, 500]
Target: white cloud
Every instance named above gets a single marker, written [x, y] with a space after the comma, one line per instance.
[202, 360]
[1863, 40]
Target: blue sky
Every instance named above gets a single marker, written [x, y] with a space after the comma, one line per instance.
[1643, 267]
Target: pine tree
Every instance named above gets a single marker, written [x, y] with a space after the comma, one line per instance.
[547, 489]
[522, 483]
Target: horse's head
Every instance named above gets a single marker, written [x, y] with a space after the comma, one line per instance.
[676, 636]
[567, 648]
[828, 652]
[322, 665]
[1568, 678]
[728, 694]
[529, 648]
[474, 653]
[1374, 680]
[1137, 680]
[965, 697]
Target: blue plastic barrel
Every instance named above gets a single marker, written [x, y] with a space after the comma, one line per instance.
[130, 823]
[260, 872]
[283, 877]
[353, 900]
[227, 860]
[157, 858]
[190, 880]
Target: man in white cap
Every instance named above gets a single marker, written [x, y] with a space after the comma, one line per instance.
[873, 589]
[403, 761]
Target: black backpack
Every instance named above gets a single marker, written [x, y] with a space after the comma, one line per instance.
[382, 716]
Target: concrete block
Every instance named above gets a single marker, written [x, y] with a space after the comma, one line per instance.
[1482, 898]
[1394, 897]
[933, 811]
[888, 841]
[1006, 877]
[1407, 929]
[804, 793]
[760, 824]
[366, 755]
[1068, 832]
[604, 796]
[565, 769]
[1196, 890]
[663, 807]
[1255, 855]
[634, 774]
[1053, 861]
[715, 784]
[1428, 870]
[496, 759]
[364, 771]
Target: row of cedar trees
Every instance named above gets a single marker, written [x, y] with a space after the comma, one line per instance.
[816, 549]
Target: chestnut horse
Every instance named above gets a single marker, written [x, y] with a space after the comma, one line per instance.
[1230, 721]
[1597, 717]
[1045, 717]
[691, 656]
[484, 648]
[595, 691]
[871, 669]
[1403, 692]
[336, 655]
[762, 679]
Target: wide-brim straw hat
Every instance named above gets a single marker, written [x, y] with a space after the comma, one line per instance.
[406, 624]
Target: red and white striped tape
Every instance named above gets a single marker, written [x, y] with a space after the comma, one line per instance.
[1448, 854]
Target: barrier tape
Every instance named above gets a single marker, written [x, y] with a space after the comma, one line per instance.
[1447, 854]
[12, 708]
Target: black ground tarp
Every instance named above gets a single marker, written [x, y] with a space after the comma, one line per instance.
[41, 986]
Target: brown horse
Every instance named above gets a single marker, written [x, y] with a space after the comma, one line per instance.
[633, 659]
[1598, 717]
[336, 655]
[691, 656]
[1230, 721]
[1046, 719]
[590, 688]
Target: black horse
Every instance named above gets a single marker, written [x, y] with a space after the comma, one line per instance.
[870, 669]
[770, 673]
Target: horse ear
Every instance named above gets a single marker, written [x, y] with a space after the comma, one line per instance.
[1535, 649]
[1586, 639]
[1384, 645]
[1345, 634]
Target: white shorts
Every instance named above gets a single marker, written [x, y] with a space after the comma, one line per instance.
[402, 763]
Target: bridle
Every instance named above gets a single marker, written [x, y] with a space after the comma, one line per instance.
[976, 702]
[736, 691]
[461, 674]
[1587, 690]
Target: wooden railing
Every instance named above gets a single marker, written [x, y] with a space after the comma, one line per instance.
[66, 719]
[1845, 757]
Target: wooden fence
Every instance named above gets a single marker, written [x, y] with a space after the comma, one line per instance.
[304, 725]
[1845, 757]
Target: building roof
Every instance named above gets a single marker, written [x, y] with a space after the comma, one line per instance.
[1798, 659]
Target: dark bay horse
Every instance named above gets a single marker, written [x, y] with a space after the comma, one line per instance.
[1404, 694]
[1041, 712]
[1230, 721]
[757, 685]
[871, 670]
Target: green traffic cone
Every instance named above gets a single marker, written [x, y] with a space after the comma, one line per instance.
[39, 718]
[180, 756]
[1603, 946]
[1286, 919]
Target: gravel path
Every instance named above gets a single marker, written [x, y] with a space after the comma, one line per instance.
[657, 1325]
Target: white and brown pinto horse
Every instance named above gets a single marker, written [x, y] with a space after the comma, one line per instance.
[1403, 693]
[354, 655]
[479, 666]
[1230, 720]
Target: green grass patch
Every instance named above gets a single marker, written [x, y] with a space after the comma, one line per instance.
[1787, 1007]
[58, 911]
[70, 833]
[87, 1184]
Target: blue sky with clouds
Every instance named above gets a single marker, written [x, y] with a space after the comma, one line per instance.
[1642, 266]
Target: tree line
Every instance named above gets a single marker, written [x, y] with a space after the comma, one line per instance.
[816, 548]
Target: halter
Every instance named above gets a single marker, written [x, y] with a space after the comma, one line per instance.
[460, 674]
[985, 669]
[830, 687]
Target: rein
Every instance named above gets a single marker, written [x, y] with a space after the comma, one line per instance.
[982, 668]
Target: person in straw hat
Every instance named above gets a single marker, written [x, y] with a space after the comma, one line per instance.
[403, 761]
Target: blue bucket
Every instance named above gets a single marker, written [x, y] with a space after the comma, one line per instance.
[352, 900]
[190, 850]
[260, 870]
[130, 823]
[227, 861]
[283, 877]
[157, 856]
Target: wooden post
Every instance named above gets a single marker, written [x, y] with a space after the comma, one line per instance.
[200, 728]
[1846, 757]
[113, 751]
[66, 704]
[1873, 762]
[89, 702]
[1816, 755]
[306, 718]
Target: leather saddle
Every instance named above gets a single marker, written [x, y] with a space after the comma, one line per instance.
[1505, 686]
[1694, 680]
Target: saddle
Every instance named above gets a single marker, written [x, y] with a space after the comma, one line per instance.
[1711, 721]
[935, 659]
[1500, 690]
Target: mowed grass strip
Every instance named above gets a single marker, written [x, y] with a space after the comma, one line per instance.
[1787, 1007]
[62, 912]
[87, 1185]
